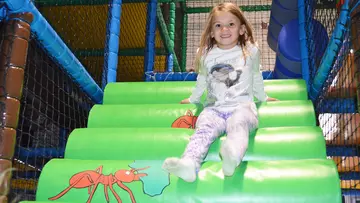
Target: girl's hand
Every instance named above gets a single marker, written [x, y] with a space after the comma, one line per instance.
[271, 99]
[185, 101]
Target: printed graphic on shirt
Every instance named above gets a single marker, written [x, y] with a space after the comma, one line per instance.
[225, 73]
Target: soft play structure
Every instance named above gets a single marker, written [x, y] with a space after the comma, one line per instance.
[130, 128]
[120, 153]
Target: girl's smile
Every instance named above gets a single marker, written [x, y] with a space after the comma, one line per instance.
[226, 29]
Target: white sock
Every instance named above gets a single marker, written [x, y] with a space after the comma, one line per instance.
[183, 168]
[229, 160]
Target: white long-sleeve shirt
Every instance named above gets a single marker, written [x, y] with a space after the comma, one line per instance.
[228, 78]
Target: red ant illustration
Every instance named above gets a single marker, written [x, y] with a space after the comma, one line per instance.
[187, 121]
[91, 179]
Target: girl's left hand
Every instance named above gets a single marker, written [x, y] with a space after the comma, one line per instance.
[271, 99]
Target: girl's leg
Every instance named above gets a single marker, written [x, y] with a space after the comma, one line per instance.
[241, 122]
[209, 126]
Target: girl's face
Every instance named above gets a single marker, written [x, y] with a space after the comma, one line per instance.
[226, 29]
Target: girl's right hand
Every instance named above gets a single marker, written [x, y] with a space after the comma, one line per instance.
[185, 101]
[271, 99]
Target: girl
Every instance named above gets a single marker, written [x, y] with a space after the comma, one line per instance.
[228, 66]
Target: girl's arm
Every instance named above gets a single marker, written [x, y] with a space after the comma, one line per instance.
[258, 82]
[200, 86]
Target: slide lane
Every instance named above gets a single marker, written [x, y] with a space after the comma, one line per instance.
[254, 181]
[279, 143]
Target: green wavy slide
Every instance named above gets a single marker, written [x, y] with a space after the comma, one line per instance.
[118, 157]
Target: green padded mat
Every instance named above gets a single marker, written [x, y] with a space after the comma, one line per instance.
[271, 114]
[256, 181]
[159, 143]
[174, 92]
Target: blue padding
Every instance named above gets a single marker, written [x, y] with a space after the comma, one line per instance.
[171, 76]
[170, 63]
[268, 75]
[283, 72]
[349, 175]
[274, 27]
[350, 192]
[150, 36]
[16, 5]
[288, 4]
[275, 75]
[294, 66]
[272, 42]
[186, 76]
[288, 60]
[331, 53]
[281, 14]
[348, 105]
[288, 41]
[2, 13]
[341, 151]
[112, 43]
[303, 43]
[57, 49]
[39, 152]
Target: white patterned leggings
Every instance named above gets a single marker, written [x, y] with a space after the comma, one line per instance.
[213, 122]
